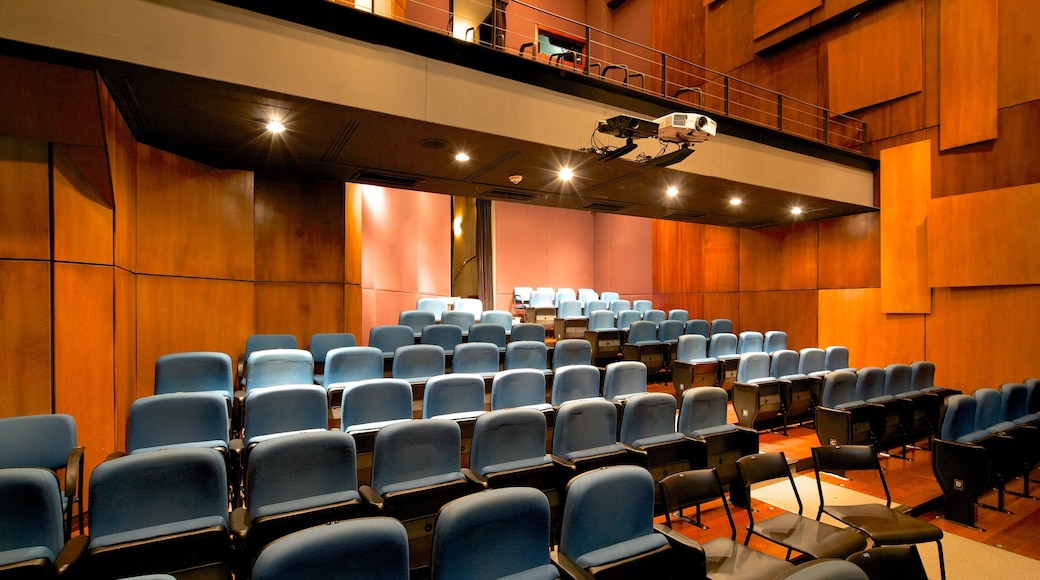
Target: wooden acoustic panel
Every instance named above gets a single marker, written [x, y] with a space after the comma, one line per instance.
[987, 238]
[779, 258]
[853, 317]
[25, 337]
[25, 202]
[352, 310]
[83, 221]
[189, 314]
[721, 259]
[850, 251]
[905, 191]
[193, 220]
[299, 309]
[878, 62]
[1018, 43]
[794, 312]
[299, 230]
[1026, 306]
[967, 72]
[772, 14]
[728, 40]
[84, 355]
[53, 103]
[122, 164]
[352, 229]
[125, 348]
[965, 320]
[722, 305]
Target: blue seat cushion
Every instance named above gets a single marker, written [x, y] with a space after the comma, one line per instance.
[215, 444]
[911, 393]
[621, 550]
[543, 572]
[157, 531]
[305, 503]
[593, 451]
[665, 438]
[375, 425]
[262, 438]
[881, 399]
[974, 436]
[850, 404]
[1026, 419]
[1001, 427]
[705, 432]
[422, 482]
[518, 464]
[25, 555]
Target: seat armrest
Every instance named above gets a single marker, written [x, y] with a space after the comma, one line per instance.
[240, 522]
[688, 551]
[564, 463]
[114, 455]
[475, 478]
[369, 495]
[73, 469]
[568, 569]
[71, 553]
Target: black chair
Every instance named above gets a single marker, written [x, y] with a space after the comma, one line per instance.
[887, 562]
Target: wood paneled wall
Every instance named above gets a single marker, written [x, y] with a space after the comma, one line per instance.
[905, 189]
[967, 72]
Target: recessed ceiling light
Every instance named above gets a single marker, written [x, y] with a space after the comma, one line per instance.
[734, 201]
[796, 210]
[566, 174]
[461, 156]
[673, 191]
[275, 126]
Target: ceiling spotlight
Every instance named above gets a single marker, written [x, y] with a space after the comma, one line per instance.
[461, 156]
[796, 210]
[566, 174]
[734, 201]
[516, 178]
[275, 126]
[673, 191]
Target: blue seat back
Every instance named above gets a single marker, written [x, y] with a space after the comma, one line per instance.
[528, 331]
[389, 337]
[784, 363]
[352, 363]
[607, 507]
[284, 409]
[724, 344]
[436, 306]
[625, 318]
[323, 342]
[749, 341]
[459, 318]
[453, 393]
[475, 357]
[37, 441]
[679, 314]
[488, 332]
[337, 552]
[279, 366]
[30, 514]
[584, 424]
[691, 347]
[517, 387]
[507, 436]
[594, 305]
[268, 341]
[499, 317]
[642, 331]
[472, 305]
[376, 400]
[697, 326]
[721, 325]
[299, 466]
[540, 298]
[990, 408]
[175, 419]
[609, 297]
[839, 388]
[563, 295]
[416, 450]
[617, 306]
[495, 534]
[569, 308]
[1014, 401]
[922, 375]
[526, 354]
[647, 416]
[958, 418]
[601, 320]
[753, 365]
[624, 378]
[149, 490]
[641, 306]
[586, 295]
[702, 408]
[897, 379]
[836, 358]
[811, 360]
[446, 336]
[870, 383]
[670, 330]
[194, 372]
[774, 340]
[418, 361]
[572, 351]
[654, 315]
[417, 320]
[575, 382]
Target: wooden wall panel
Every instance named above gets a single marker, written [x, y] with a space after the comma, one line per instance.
[193, 220]
[25, 337]
[721, 259]
[676, 29]
[794, 73]
[1018, 44]
[987, 238]
[84, 355]
[967, 72]
[793, 312]
[905, 191]
[122, 161]
[298, 230]
[24, 199]
[299, 309]
[722, 305]
[727, 35]
[853, 318]
[189, 314]
[850, 251]
[83, 221]
[1026, 306]
[772, 14]
[352, 311]
[125, 349]
[38, 90]
[878, 62]
[965, 320]
[779, 258]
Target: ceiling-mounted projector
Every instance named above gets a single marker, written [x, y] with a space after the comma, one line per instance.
[685, 128]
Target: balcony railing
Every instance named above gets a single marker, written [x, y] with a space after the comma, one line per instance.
[633, 66]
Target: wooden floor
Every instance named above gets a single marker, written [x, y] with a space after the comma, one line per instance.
[911, 484]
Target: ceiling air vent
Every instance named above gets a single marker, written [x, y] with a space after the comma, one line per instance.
[606, 206]
[387, 179]
[506, 195]
[683, 216]
[750, 225]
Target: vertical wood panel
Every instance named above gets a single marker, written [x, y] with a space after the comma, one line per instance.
[53, 103]
[122, 161]
[193, 220]
[24, 199]
[25, 337]
[878, 62]
[794, 312]
[727, 35]
[352, 219]
[84, 355]
[1018, 45]
[299, 230]
[1026, 306]
[353, 312]
[779, 258]
[772, 14]
[722, 305]
[721, 259]
[125, 349]
[987, 238]
[83, 221]
[905, 191]
[967, 72]
[850, 251]
[961, 321]
[853, 318]
[299, 309]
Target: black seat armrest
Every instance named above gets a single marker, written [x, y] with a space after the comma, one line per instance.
[71, 553]
[240, 522]
[473, 477]
[568, 569]
[369, 495]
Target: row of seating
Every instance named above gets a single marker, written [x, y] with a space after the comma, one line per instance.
[526, 296]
